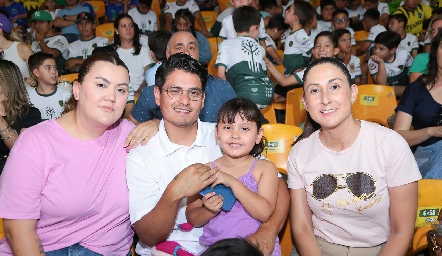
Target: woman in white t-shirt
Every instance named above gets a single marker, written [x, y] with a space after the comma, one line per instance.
[352, 183]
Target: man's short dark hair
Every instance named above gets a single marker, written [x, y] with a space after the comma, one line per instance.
[244, 17]
[158, 41]
[437, 11]
[180, 61]
[372, 14]
[304, 11]
[268, 4]
[37, 59]
[400, 18]
[325, 3]
[146, 2]
[390, 39]
[232, 247]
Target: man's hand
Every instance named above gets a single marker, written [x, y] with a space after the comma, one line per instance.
[262, 240]
[39, 36]
[141, 134]
[192, 180]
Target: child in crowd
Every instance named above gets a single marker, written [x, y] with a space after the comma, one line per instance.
[252, 180]
[228, 30]
[46, 96]
[158, 41]
[271, 7]
[298, 46]
[383, 9]
[409, 42]
[388, 65]
[171, 8]
[240, 59]
[352, 62]
[327, 9]
[274, 30]
[355, 13]
[371, 24]
[16, 12]
[184, 22]
[341, 21]
[216, 28]
[145, 18]
[51, 7]
[325, 45]
[116, 8]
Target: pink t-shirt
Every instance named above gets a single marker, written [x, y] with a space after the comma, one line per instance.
[347, 191]
[76, 189]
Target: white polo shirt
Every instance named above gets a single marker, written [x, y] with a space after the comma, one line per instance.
[151, 168]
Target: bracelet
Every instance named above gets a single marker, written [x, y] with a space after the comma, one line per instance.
[10, 135]
[7, 128]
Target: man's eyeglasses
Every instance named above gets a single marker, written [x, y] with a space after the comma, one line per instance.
[341, 21]
[359, 184]
[176, 92]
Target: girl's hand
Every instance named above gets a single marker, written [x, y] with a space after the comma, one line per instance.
[223, 178]
[213, 202]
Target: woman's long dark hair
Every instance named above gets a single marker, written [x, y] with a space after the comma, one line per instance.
[136, 39]
[187, 16]
[432, 76]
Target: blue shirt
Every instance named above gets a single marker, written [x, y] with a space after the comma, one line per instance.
[204, 50]
[217, 92]
[72, 29]
[418, 102]
[150, 74]
[15, 9]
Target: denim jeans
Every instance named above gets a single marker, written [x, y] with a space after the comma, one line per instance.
[429, 160]
[76, 250]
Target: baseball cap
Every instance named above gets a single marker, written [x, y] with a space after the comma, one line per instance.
[84, 16]
[41, 15]
[5, 23]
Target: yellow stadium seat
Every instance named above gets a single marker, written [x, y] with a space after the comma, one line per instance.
[224, 4]
[105, 30]
[295, 112]
[209, 18]
[280, 138]
[375, 103]
[213, 42]
[269, 114]
[280, 68]
[99, 9]
[285, 238]
[68, 78]
[280, 53]
[156, 8]
[2, 231]
[31, 5]
[361, 35]
[429, 204]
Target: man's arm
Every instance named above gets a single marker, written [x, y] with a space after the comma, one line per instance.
[188, 183]
[265, 236]
[61, 22]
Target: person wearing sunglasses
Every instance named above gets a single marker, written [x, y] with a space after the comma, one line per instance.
[353, 184]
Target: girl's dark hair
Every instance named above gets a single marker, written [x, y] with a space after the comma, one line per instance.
[232, 247]
[86, 67]
[431, 78]
[330, 36]
[136, 39]
[187, 16]
[310, 125]
[247, 110]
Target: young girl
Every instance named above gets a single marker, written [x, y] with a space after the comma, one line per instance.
[253, 181]
[325, 45]
[352, 62]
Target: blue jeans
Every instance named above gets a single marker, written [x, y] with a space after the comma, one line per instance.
[429, 160]
[76, 250]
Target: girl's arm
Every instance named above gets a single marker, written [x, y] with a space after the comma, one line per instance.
[403, 206]
[199, 210]
[275, 56]
[261, 205]
[22, 237]
[280, 78]
[302, 225]
[402, 125]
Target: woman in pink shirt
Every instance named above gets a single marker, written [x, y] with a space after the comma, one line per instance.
[63, 189]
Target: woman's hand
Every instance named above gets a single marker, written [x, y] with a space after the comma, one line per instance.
[213, 202]
[141, 134]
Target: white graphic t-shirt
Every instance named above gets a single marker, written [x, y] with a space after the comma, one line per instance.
[50, 105]
[146, 22]
[83, 49]
[397, 72]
